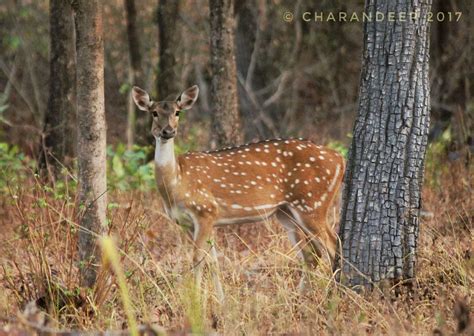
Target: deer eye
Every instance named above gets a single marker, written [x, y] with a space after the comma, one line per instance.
[155, 115]
[177, 113]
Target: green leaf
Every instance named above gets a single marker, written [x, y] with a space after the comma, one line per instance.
[41, 202]
[447, 136]
[13, 42]
[117, 166]
[338, 146]
[125, 88]
[112, 205]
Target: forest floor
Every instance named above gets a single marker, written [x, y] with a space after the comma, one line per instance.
[258, 268]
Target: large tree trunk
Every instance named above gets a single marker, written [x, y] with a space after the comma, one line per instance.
[57, 141]
[91, 136]
[382, 196]
[135, 71]
[168, 80]
[225, 111]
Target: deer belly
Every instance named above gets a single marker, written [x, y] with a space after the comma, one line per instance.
[247, 215]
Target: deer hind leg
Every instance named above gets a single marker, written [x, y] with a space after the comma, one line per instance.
[286, 219]
[295, 235]
[320, 235]
[205, 254]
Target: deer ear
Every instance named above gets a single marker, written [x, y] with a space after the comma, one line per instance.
[141, 98]
[187, 99]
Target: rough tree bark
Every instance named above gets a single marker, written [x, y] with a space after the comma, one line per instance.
[135, 70]
[91, 135]
[382, 196]
[168, 80]
[57, 141]
[226, 128]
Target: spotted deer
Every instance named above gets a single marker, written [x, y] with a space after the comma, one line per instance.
[294, 180]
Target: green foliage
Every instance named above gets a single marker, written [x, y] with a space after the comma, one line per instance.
[126, 170]
[13, 166]
[435, 156]
[338, 146]
[125, 88]
[11, 42]
[24, 30]
[63, 188]
[129, 169]
[191, 141]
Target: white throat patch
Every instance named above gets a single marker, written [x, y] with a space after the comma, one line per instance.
[164, 152]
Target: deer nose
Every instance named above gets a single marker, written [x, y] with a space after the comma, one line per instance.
[168, 132]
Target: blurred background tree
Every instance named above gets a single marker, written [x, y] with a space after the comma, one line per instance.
[226, 125]
[135, 74]
[168, 79]
[57, 142]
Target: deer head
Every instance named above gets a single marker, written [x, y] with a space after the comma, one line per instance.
[165, 113]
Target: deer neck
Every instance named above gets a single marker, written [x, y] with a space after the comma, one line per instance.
[166, 168]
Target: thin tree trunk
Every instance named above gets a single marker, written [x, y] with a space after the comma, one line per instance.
[57, 141]
[245, 37]
[382, 196]
[248, 43]
[135, 70]
[91, 135]
[168, 81]
[226, 123]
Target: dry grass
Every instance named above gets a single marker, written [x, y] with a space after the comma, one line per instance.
[259, 270]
